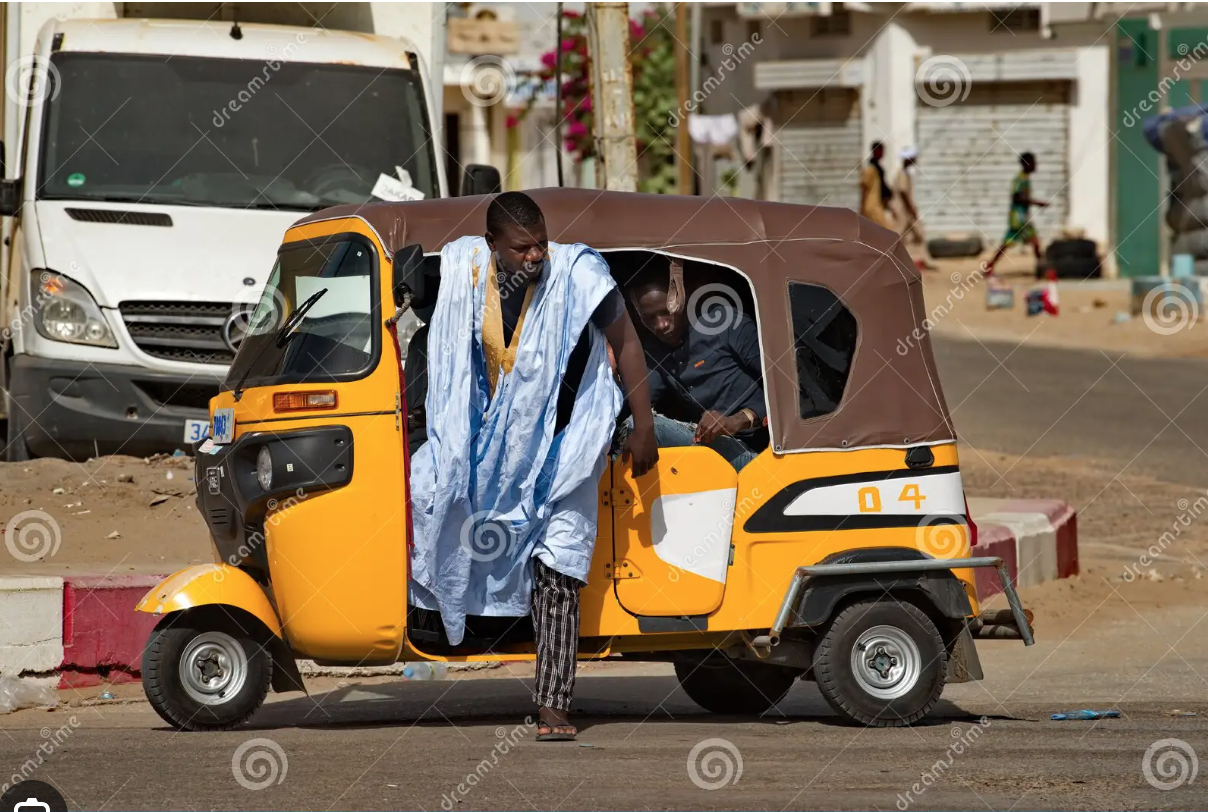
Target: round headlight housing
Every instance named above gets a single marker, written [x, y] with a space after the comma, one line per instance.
[264, 468]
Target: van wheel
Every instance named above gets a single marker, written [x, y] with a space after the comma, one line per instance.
[881, 663]
[15, 449]
[720, 684]
[205, 672]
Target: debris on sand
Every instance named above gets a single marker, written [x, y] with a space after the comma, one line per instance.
[114, 535]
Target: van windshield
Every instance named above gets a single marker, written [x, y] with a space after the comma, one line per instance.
[316, 319]
[230, 133]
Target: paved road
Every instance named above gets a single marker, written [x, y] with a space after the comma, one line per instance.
[410, 745]
[1144, 415]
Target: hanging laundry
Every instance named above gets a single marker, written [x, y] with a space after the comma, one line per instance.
[717, 131]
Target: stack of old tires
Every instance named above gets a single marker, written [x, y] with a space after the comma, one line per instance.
[1182, 136]
[1070, 258]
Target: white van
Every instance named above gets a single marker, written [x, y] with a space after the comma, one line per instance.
[159, 164]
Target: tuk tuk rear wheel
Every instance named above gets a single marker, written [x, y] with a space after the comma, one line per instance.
[881, 663]
[206, 671]
[723, 685]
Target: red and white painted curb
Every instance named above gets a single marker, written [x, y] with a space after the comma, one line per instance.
[1036, 538]
[84, 629]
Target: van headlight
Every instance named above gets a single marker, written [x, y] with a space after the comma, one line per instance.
[264, 468]
[63, 310]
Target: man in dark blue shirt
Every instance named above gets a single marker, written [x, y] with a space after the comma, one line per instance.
[706, 375]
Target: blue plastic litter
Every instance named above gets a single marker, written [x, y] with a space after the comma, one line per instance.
[1085, 715]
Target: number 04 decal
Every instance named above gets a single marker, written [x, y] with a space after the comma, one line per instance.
[870, 498]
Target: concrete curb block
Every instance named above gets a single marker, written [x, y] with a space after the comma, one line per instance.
[1042, 532]
[31, 625]
[103, 637]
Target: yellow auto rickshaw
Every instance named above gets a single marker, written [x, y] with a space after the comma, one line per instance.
[844, 553]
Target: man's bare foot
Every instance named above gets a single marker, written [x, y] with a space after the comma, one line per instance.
[554, 726]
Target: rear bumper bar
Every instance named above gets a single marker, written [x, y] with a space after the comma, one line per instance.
[803, 574]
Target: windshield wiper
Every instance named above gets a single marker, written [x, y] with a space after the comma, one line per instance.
[284, 336]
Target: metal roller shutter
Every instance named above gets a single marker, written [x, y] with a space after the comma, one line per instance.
[969, 153]
[820, 146]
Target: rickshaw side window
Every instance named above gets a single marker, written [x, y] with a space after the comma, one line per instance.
[824, 341]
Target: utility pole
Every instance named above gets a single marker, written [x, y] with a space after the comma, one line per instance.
[683, 76]
[612, 95]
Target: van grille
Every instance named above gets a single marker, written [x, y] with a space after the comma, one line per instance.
[179, 331]
[129, 218]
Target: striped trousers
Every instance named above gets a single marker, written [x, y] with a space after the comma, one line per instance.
[556, 629]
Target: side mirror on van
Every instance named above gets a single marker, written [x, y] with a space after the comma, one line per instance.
[480, 179]
[408, 275]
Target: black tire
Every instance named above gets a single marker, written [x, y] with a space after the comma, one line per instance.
[203, 636]
[1077, 268]
[15, 449]
[1058, 250]
[720, 684]
[946, 248]
[913, 678]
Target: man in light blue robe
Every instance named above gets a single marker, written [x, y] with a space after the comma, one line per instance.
[521, 410]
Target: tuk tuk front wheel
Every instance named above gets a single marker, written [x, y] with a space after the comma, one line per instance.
[723, 685]
[881, 663]
[206, 671]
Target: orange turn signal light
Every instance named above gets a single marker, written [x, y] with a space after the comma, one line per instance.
[303, 401]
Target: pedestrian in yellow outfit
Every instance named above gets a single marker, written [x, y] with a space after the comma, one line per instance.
[875, 193]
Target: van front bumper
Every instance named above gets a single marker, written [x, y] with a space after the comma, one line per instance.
[79, 410]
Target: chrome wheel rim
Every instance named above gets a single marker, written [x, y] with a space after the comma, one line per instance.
[886, 662]
[213, 668]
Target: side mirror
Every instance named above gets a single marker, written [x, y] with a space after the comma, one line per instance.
[10, 197]
[480, 179]
[408, 282]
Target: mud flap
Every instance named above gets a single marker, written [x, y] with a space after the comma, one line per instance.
[963, 663]
[286, 677]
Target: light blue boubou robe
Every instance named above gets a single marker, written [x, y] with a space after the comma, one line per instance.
[492, 488]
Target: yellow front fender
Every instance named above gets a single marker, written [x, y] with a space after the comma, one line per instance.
[207, 585]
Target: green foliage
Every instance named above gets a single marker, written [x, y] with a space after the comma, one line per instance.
[652, 61]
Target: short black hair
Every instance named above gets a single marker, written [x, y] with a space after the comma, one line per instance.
[876, 145]
[1027, 158]
[512, 208]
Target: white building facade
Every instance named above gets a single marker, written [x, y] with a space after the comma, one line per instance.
[971, 85]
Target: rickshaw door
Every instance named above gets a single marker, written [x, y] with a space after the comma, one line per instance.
[671, 533]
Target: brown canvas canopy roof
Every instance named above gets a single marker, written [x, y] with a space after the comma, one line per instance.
[893, 395]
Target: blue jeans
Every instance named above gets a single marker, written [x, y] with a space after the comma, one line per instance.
[676, 433]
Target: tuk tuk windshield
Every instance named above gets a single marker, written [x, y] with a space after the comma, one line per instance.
[315, 319]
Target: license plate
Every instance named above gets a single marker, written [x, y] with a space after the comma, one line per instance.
[196, 430]
[224, 426]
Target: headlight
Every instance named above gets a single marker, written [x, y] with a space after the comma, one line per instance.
[264, 468]
[65, 311]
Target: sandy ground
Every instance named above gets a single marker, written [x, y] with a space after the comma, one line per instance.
[956, 303]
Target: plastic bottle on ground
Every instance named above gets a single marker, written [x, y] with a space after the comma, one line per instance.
[425, 671]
